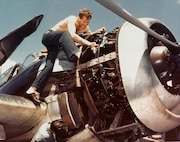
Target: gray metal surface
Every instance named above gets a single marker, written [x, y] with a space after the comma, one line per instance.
[149, 100]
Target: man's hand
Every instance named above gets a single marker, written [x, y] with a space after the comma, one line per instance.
[94, 47]
[100, 31]
[93, 44]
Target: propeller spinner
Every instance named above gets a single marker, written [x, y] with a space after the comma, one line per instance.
[151, 102]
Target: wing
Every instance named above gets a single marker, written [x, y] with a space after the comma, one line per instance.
[10, 42]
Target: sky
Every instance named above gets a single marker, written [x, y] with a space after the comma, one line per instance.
[14, 13]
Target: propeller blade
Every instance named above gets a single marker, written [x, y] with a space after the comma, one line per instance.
[117, 9]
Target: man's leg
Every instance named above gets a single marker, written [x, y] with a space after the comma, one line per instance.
[64, 41]
[43, 77]
[34, 91]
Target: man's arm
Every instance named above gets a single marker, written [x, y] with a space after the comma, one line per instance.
[100, 31]
[76, 37]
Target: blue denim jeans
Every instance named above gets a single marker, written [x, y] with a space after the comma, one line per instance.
[55, 42]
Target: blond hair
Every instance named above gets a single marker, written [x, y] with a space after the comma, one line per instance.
[85, 13]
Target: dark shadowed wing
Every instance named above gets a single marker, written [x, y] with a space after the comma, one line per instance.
[10, 42]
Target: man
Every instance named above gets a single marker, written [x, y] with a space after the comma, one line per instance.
[55, 131]
[62, 37]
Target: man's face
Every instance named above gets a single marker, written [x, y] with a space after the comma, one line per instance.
[84, 22]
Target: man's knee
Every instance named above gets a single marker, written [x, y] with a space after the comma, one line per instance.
[65, 37]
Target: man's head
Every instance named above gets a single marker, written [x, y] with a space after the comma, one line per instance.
[85, 13]
[84, 18]
[59, 127]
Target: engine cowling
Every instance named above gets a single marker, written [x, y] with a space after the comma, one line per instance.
[155, 106]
